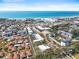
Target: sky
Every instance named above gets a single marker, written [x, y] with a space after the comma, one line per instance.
[39, 5]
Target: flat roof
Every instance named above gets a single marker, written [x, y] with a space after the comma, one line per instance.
[43, 47]
[38, 38]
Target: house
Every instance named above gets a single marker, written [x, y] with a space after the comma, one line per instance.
[10, 56]
[12, 48]
[20, 41]
[17, 45]
[16, 56]
[2, 54]
[29, 53]
[26, 41]
[23, 54]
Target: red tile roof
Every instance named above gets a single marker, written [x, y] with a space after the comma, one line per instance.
[23, 53]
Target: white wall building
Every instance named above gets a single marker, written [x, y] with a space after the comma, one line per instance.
[63, 44]
[37, 38]
[66, 34]
[43, 47]
[29, 30]
[42, 28]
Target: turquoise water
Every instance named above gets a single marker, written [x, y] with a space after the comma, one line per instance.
[37, 14]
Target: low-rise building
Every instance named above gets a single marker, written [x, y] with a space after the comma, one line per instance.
[29, 30]
[37, 38]
[42, 28]
[22, 33]
[43, 47]
[65, 42]
[66, 34]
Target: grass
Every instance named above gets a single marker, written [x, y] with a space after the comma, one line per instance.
[76, 56]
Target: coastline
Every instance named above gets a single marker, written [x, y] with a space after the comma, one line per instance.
[39, 17]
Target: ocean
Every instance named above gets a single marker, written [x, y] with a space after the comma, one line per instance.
[37, 14]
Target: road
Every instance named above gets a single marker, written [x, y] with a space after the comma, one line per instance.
[32, 45]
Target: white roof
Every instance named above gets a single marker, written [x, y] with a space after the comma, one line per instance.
[17, 45]
[66, 33]
[52, 20]
[38, 38]
[19, 41]
[62, 43]
[29, 30]
[39, 27]
[76, 22]
[46, 28]
[35, 29]
[43, 47]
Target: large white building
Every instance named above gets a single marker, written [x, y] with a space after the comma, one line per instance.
[37, 38]
[42, 28]
[29, 30]
[43, 47]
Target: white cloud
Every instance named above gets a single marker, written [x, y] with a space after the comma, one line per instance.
[47, 7]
